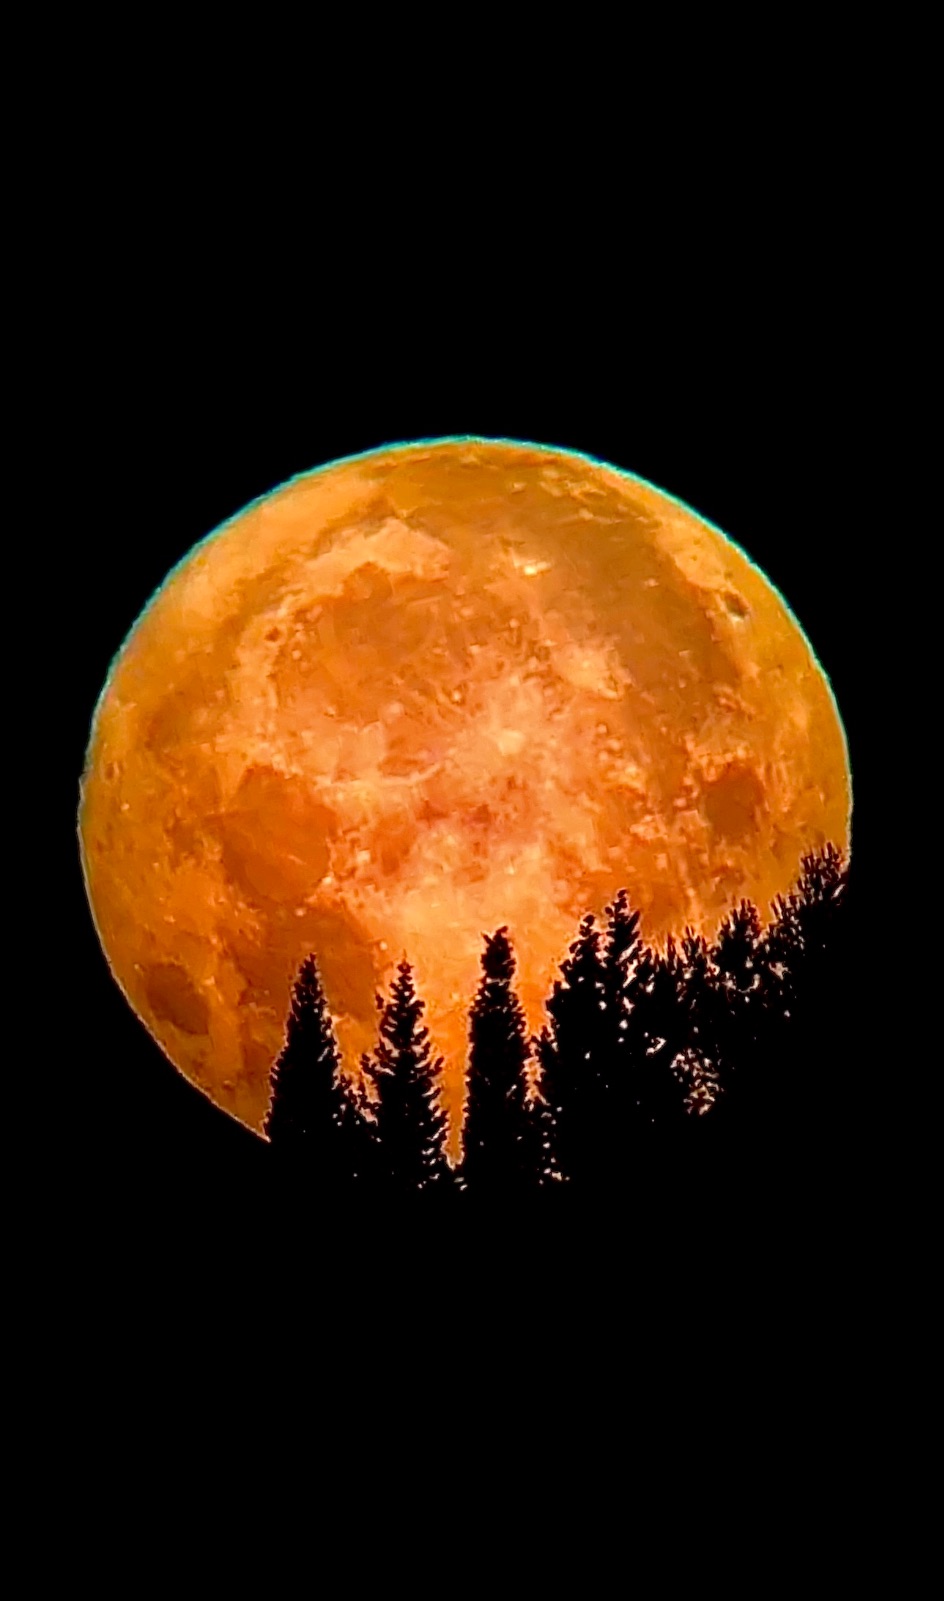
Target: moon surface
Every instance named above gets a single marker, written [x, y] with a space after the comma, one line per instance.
[420, 693]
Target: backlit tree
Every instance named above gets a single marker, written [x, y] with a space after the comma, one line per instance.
[411, 1123]
[315, 1118]
[573, 1049]
[504, 1128]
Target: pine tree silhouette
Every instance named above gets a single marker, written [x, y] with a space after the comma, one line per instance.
[695, 1065]
[504, 1130]
[657, 1037]
[636, 1046]
[314, 1119]
[411, 1124]
[739, 961]
[357, 1136]
[622, 952]
[573, 1054]
[798, 943]
[369, 1149]
[622, 949]
[808, 919]
[805, 987]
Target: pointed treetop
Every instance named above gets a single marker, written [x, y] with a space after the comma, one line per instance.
[498, 958]
[502, 1135]
[622, 932]
[406, 1080]
[588, 940]
[304, 1079]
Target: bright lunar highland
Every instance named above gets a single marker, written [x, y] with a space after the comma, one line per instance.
[418, 694]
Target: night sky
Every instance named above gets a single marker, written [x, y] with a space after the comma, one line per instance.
[690, 264]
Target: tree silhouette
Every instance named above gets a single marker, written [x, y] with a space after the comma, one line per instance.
[798, 947]
[358, 1136]
[622, 947]
[657, 1036]
[504, 1128]
[805, 975]
[621, 952]
[411, 1124]
[639, 1044]
[314, 1118]
[808, 918]
[739, 960]
[572, 1050]
[695, 1064]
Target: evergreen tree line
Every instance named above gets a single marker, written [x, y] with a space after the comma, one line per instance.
[643, 1049]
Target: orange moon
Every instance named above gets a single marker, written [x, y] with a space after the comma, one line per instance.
[420, 693]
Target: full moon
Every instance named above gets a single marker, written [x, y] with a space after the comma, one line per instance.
[420, 693]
